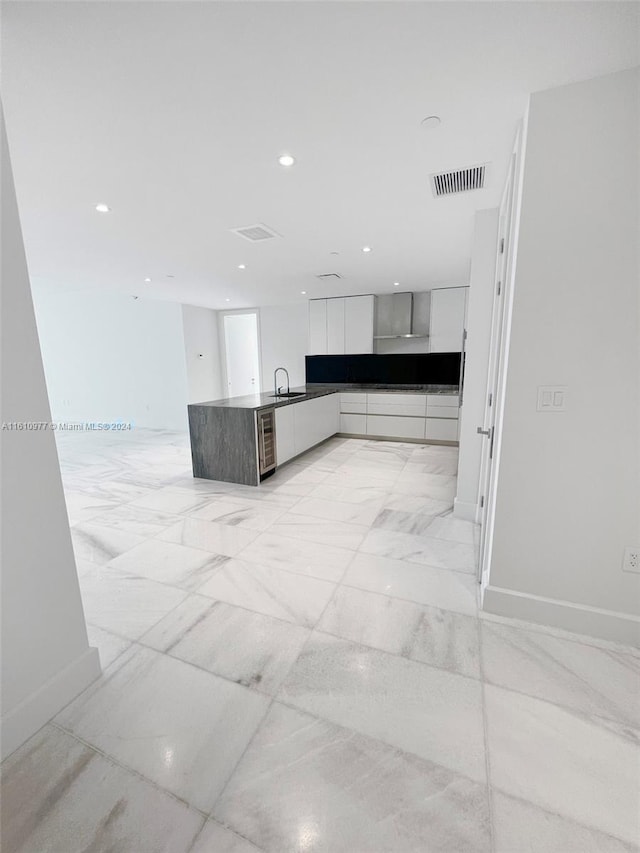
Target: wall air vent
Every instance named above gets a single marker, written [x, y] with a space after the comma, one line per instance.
[255, 233]
[458, 181]
[329, 276]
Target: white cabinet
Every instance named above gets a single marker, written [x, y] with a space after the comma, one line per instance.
[300, 426]
[315, 420]
[396, 415]
[443, 406]
[335, 326]
[285, 434]
[353, 403]
[414, 405]
[442, 417]
[353, 424]
[395, 426]
[442, 429]
[442, 412]
[341, 326]
[448, 307]
[390, 414]
[450, 400]
[358, 324]
[317, 326]
[353, 413]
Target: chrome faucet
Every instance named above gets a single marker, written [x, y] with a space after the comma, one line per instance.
[277, 387]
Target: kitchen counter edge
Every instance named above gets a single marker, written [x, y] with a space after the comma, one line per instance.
[311, 392]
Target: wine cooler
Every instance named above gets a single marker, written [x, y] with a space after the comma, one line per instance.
[266, 422]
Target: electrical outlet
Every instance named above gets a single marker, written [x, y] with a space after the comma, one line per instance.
[631, 562]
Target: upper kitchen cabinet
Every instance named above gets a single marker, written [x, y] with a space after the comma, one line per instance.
[335, 327]
[317, 327]
[448, 311]
[341, 326]
[358, 324]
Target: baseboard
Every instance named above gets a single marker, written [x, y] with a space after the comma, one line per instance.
[398, 439]
[465, 510]
[31, 714]
[577, 618]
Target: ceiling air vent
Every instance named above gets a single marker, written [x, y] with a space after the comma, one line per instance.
[329, 276]
[255, 233]
[458, 181]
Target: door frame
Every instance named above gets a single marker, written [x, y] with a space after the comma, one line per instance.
[223, 344]
[499, 353]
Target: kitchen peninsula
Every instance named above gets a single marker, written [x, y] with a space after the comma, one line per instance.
[234, 439]
[243, 439]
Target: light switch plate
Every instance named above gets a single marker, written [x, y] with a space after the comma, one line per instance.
[552, 398]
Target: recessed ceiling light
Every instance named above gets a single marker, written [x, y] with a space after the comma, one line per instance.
[303, 292]
[227, 299]
[430, 122]
[103, 208]
[241, 267]
[366, 248]
[147, 280]
[286, 160]
[396, 284]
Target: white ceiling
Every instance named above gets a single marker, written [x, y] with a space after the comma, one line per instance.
[174, 115]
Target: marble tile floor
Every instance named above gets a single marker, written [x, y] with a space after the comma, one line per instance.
[302, 667]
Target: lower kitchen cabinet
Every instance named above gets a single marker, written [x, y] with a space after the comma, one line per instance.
[420, 417]
[285, 434]
[302, 425]
[395, 426]
[353, 423]
[442, 429]
[417, 417]
[315, 420]
[397, 404]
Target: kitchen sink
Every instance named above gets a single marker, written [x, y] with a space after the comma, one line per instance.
[290, 394]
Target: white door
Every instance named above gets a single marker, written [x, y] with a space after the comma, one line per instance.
[242, 359]
[500, 327]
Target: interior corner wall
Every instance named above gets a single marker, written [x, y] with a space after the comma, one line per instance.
[284, 342]
[109, 357]
[46, 658]
[202, 352]
[569, 482]
[479, 311]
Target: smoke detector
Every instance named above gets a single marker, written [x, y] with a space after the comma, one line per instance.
[255, 233]
[458, 180]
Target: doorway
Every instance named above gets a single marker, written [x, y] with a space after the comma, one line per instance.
[241, 352]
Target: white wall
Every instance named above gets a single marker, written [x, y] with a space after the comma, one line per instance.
[568, 489]
[284, 333]
[202, 351]
[46, 658]
[479, 309]
[108, 356]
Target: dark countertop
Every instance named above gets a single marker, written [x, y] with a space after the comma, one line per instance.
[266, 399]
[310, 392]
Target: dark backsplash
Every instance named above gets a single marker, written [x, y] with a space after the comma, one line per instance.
[437, 368]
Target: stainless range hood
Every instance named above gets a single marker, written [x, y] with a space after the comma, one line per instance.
[395, 317]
